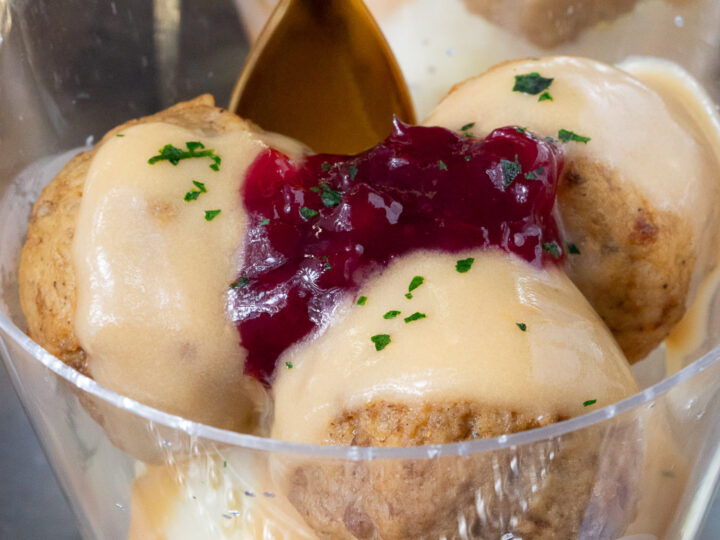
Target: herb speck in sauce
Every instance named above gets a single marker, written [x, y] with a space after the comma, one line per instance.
[362, 301]
[464, 265]
[391, 314]
[510, 170]
[589, 402]
[381, 341]
[414, 284]
[522, 326]
[566, 136]
[195, 149]
[552, 248]
[415, 317]
[211, 214]
[531, 83]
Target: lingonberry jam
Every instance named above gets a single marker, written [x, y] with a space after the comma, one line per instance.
[317, 229]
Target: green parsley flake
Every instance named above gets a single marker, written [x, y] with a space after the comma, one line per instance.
[326, 266]
[391, 314]
[414, 284]
[467, 158]
[414, 317]
[589, 402]
[510, 170]
[534, 175]
[545, 96]
[240, 283]
[565, 136]
[325, 166]
[362, 301]
[225, 464]
[308, 213]
[120, 135]
[531, 83]
[289, 365]
[328, 196]
[573, 249]
[195, 149]
[520, 129]
[468, 126]
[264, 222]
[521, 325]
[552, 248]
[463, 265]
[193, 194]
[352, 172]
[441, 165]
[211, 214]
[381, 341]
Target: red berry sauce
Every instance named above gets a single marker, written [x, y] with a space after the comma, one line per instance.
[318, 229]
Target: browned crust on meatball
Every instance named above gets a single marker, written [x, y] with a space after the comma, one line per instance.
[552, 489]
[635, 262]
[47, 275]
[548, 23]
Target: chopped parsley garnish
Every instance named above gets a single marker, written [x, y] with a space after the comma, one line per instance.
[534, 175]
[463, 265]
[520, 129]
[531, 83]
[326, 266]
[391, 314]
[552, 248]
[325, 166]
[264, 222]
[352, 172]
[362, 301]
[545, 96]
[381, 341]
[289, 365]
[225, 464]
[565, 136]
[589, 402]
[441, 165]
[414, 284]
[414, 317]
[308, 213]
[328, 196]
[468, 126]
[240, 282]
[467, 158]
[211, 214]
[195, 149]
[521, 325]
[120, 135]
[510, 170]
[193, 194]
[573, 249]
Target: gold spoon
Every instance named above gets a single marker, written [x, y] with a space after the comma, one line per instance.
[322, 72]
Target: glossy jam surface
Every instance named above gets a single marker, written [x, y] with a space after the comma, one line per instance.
[318, 229]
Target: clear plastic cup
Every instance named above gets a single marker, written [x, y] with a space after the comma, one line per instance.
[644, 468]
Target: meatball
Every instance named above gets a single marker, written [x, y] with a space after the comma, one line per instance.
[505, 347]
[638, 196]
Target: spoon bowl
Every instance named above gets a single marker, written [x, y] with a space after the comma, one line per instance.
[321, 72]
